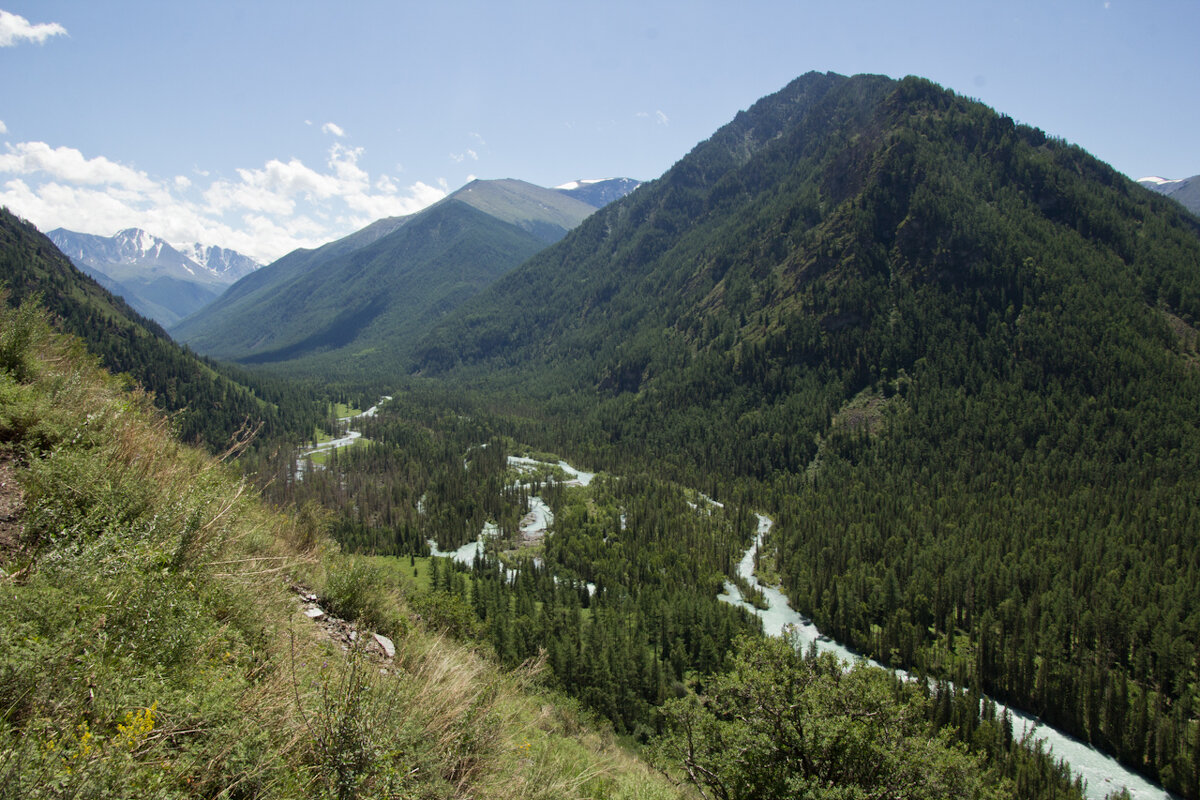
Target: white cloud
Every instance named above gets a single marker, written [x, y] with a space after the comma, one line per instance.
[67, 163]
[263, 212]
[15, 29]
[3, 127]
[659, 117]
[335, 129]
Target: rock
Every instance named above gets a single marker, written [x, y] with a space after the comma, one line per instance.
[385, 644]
[314, 612]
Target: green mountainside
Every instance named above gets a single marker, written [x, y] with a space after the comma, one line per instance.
[955, 356]
[300, 261]
[365, 297]
[208, 402]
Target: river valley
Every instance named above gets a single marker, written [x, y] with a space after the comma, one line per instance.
[1102, 773]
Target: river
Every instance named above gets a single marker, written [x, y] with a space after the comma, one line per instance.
[1102, 773]
[348, 437]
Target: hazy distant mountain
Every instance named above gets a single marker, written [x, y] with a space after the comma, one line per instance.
[376, 290]
[229, 264]
[155, 278]
[599, 192]
[1184, 190]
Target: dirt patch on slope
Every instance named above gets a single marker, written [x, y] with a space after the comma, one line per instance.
[12, 508]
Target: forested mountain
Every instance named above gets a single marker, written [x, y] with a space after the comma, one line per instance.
[206, 401]
[364, 298]
[1185, 191]
[956, 357]
[159, 281]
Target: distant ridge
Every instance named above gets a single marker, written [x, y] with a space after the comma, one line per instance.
[599, 192]
[1185, 191]
[375, 291]
[159, 280]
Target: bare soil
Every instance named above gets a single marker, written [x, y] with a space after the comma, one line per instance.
[12, 508]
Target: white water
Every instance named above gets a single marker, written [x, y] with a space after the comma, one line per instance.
[1102, 773]
[534, 524]
[578, 478]
[341, 441]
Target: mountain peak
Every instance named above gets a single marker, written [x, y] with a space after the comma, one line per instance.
[598, 192]
[1185, 191]
[136, 244]
[157, 279]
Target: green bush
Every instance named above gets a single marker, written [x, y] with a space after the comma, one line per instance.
[357, 590]
[19, 329]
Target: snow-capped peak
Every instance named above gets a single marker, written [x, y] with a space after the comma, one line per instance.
[229, 265]
[135, 245]
[1157, 181]
[568, 186]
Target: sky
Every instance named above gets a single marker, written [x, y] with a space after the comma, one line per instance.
[267, 125]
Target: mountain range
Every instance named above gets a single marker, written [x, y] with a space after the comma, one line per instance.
[161, 281]
[1184, 190]
[367, 295]
[956, 359]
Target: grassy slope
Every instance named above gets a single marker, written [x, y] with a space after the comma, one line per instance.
[150, 645]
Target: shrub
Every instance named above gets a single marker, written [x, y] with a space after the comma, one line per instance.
[356, 590]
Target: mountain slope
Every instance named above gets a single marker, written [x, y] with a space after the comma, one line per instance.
[208, 405]
[918, 330]
[372, 293]
[1185, 191]
[155, 644]
[155, 278]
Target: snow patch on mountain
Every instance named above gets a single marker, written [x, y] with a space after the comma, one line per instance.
[229, 265]
[569, 185]
[1157, 181]
[598, 192]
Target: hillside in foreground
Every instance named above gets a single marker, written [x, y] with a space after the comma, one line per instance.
[153, 642]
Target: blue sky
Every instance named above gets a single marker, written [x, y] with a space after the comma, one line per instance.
[265, 126]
